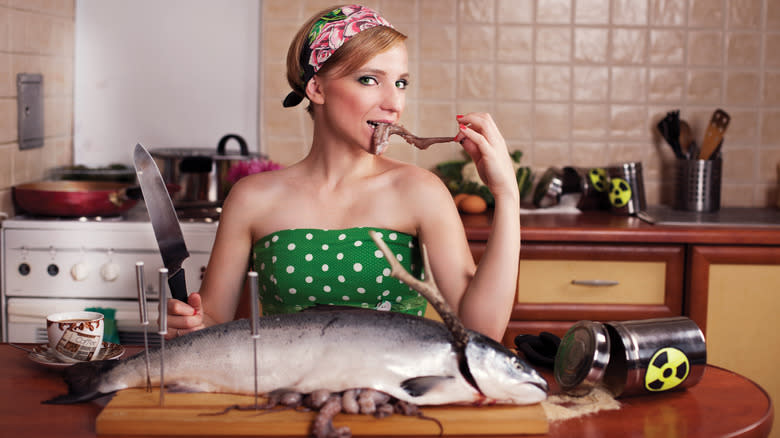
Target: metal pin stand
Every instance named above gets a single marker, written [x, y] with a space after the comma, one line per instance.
[163, 312]
[139, 279]
[252, 277]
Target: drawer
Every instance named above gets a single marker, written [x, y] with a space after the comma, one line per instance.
[560, 284]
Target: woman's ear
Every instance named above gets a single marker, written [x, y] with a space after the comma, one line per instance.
[314, 90]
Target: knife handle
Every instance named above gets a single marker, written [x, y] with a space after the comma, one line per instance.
[178, 285]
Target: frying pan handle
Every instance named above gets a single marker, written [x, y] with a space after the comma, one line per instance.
[241, 144]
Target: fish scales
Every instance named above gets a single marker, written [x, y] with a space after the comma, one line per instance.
[408, 357]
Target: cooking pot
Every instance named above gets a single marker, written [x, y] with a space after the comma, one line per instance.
[76, 198]
[201, 173]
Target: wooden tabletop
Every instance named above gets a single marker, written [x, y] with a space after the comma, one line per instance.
[722, 404]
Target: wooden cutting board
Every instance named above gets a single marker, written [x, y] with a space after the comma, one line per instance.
[137, 412]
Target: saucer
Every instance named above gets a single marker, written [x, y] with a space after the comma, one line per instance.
[41, 354]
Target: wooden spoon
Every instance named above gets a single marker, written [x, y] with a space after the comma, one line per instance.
[685, 138]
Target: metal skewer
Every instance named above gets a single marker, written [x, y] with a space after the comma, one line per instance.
[252, 276]
[139, 279]
[163, 312]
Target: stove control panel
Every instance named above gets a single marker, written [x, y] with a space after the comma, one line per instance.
[93, 264]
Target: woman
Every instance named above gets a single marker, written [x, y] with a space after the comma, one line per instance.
[304, 224]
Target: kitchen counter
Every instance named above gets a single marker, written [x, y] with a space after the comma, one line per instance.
[602, 226]
[723, 403]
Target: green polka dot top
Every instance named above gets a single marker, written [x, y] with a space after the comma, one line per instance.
[302, 268]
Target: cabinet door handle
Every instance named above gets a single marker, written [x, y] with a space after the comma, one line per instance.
[595, 283]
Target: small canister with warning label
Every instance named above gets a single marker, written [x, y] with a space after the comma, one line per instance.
[631, 357]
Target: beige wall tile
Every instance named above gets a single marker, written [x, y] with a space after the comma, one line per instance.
[629, 46]
[515, 120]
[591, 83]
[704, 86]
[591, 11]
[551, 154]
[6, 202]
[770, 129]
[628, 84]
[771, 49]
[768, 162]
[7, 77]
[772, 15]
[629, 12]
[589, 154]
[437, 81]
[628, 121]
[742, 88]
[438, 43]
[552, 83]
[705, 13]
[736, 195]
[551, 121]
[745, 14]
[667, 46]
[743, 128]
[438, 11]
[477, 11]
[590, 45]
[7, 164]
[515, 44]
[554, 12]
[277, 36]
[5, 28]
[666, 85]
[275, 10]
[743, 49]
[514, 82]
[477, 43]
[705, 48]
[476, 81]
[667, 12]
[590, 122]
[515, 11]
[7, 120]
[400, 11]
[553, 44]
[739, 164]
[771, 89]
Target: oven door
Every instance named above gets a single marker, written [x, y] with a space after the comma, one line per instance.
[26, 322]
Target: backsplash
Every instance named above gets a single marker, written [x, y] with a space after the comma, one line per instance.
[571, 82]
[35, 37]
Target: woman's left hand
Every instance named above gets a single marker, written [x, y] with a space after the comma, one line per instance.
[484, 143]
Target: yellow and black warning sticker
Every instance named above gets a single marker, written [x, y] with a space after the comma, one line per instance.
[668, 368]
[620, 192]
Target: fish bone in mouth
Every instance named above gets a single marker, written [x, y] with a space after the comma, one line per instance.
[383, 131]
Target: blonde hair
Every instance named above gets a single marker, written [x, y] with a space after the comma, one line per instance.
[354, 53]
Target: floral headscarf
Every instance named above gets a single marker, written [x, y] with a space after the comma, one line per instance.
[329, 33]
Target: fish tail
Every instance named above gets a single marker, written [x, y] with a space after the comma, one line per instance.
[83, 380]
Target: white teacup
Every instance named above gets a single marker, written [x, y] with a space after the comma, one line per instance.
[75, 336]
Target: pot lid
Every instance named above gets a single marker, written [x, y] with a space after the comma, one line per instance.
[582, 357]
[220, 153]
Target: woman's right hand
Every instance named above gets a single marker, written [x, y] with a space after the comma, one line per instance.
[184, 317]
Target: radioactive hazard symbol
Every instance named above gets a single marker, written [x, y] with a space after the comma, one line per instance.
[668, 368]
[620, 192]
[598, 179]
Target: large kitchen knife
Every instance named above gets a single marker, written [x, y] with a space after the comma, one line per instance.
[164, 221]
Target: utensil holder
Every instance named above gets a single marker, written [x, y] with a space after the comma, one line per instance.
[698, 185]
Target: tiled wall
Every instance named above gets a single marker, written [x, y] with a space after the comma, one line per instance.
[572, 82]
[36, 36]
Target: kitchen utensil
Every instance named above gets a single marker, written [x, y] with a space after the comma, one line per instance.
[686, 138]
[631, 357]
[669, 127]
[593, 183]
[75, 198]
[164, 221]
[698, 185]
[144, 319]
[202, 173]
[713, 136]
[549, 189]
[162, 311]
[111, 173]
[255, 304]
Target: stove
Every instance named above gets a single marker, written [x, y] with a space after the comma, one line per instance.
[51, 265]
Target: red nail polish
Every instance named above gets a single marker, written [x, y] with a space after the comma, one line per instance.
[459, 116]
[462, 126]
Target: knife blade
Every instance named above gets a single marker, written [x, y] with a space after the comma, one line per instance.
[165, 223]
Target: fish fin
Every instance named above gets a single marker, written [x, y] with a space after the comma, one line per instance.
[417, 386]
[83, 379]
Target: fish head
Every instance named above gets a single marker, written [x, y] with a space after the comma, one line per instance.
[501, 375]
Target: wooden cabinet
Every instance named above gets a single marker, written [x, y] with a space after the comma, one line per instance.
[735, 298]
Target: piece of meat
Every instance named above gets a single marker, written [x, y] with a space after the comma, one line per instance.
[383, 131]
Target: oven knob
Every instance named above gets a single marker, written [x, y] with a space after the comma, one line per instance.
[53, 269]
[24, 269]
[79, 271]
[109, 271]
